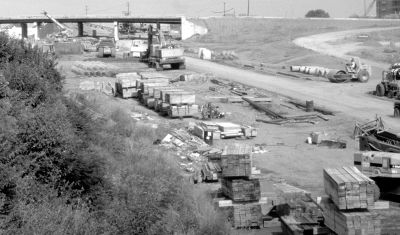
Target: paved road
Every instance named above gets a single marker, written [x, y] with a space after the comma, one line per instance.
[349, 98]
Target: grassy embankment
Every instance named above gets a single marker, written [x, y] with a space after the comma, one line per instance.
[269, 41]
[68, 168]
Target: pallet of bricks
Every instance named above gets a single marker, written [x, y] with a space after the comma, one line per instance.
[237, 184]
[351, 196]
[125, 86]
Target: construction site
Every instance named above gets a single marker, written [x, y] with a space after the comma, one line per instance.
[291, 126]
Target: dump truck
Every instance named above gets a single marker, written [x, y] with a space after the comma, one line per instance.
[389, 86]
[106, 48]
[160, 53]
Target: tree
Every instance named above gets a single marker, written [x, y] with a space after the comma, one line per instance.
[319, 13]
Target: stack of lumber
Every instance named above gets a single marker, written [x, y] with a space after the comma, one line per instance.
[286, 193]
[390, 220]
[350, 222]
[183, 111]
[241, 190]
[152, 75]
[297, 225]
[125, 86]
[236, 161]
[249, 131]
[229, 129]
[349, 188]
[180, 98]
[201, 128]
[246, 215]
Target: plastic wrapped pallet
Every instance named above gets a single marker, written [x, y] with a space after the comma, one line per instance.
[146, 87]
[183, 111]
[350, 222]
[236, 161]
[129, 93]
[349, 188]
[241, 190]
[157, 91]
[180, 98]
[140, 82]
[165, 92]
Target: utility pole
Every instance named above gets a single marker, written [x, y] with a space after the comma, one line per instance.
[365, 7]
[224, 8]
[86, 9]
[128, 12]
[248, 7]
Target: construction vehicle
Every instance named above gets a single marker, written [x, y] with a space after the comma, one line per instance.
[65, 32]
[106, 48]
[160, 53]
[211, 111]
[383, 168]
[354, 71]
[389, 86]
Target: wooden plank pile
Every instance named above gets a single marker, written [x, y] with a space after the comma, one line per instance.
[237, 184]
[155, 92]
[351, 196]
[299, 225]
[350, 222]
[222, 130]
[390, 220]
[241, 190]
[236, 161]
[125, 86]
[349, 188]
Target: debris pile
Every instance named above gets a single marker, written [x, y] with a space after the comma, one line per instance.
[187, 148]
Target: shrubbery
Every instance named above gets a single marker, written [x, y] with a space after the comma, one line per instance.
[319, 13]
[62, 172]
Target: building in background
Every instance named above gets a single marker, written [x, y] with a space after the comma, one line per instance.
[387, 8]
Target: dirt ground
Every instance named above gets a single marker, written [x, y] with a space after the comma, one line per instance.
[288, 158]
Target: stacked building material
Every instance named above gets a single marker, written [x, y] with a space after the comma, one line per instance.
[246, 215]
[351, 196]
[241, 190]
[236, 161]
[390, 220]
[350, 222]
[349, 188]
[125, 86]
[237, 184]
[229, 130]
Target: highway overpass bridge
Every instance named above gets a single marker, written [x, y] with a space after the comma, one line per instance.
[80, 20]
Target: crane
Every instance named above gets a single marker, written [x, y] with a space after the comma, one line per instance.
[65, 32]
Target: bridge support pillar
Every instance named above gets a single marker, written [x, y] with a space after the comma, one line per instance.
[80, 29]
[116, 33]
[158, 25]
[24, 29]
[38, 25]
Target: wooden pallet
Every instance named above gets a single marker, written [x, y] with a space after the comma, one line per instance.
[236, 161]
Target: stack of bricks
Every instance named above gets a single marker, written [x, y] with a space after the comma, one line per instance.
[351, 196]
[237, 185]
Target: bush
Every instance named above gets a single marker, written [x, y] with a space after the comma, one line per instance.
[319, 13]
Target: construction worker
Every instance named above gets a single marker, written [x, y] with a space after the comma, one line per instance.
[353, 64]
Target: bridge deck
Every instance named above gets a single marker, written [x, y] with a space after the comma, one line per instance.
[93, 19]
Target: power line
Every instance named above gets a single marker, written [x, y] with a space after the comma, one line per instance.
[248, 7]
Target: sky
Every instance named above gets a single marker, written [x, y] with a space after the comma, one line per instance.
[189, 8]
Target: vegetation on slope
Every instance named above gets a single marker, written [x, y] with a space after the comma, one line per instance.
[65, 172]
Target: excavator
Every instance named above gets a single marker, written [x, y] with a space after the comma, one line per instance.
[65, 32]
[160, 53]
